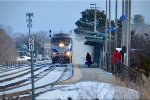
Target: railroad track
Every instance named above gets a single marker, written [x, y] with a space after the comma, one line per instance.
[20, 75]
[26, 94]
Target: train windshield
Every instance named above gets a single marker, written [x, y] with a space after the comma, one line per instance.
[60, 40]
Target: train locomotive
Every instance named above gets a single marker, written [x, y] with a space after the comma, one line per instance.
[61, 48]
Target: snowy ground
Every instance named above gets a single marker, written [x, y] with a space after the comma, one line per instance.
[7, 68]
[67, 74]
[15, 70]
[6, 73]
[89, 90]
[81, 90]
[49, 78]
[23, 77]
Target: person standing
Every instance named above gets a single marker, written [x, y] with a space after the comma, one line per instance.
[88, 59]
[116, 57]
[122, 56]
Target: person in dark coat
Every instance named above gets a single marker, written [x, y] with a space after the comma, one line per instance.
[122, 56]
[88, 59]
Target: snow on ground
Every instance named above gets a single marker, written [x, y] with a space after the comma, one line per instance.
[68, 73]
[89, 90]
[23, 77]
[8, 68]
[49, 78]
[15, 74]
[13, 71]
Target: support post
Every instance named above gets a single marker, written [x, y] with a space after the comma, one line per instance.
[109, 33]
[31, 52]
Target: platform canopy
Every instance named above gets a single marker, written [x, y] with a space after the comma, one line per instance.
[92, 38]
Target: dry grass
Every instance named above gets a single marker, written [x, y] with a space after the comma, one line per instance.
[144, 90]
[122, 93]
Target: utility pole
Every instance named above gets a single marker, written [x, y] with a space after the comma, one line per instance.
[123, 27]
[97, 48]
[29, 25]
[116, 26]
[106, 44]
[109, 33]
[95, 16]
[43, 50]
[37, 47]
[124, 31]
[127, 28]
[43, 45]
[128, 31]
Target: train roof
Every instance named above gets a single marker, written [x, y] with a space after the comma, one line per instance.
[60, 35]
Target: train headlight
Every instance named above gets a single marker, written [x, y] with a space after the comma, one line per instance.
[61, 45]
[68, 53]
[54, 53]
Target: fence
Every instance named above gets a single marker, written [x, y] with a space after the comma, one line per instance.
[132, 78]
[6, 65]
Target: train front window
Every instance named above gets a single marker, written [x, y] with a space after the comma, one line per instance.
[56, 41]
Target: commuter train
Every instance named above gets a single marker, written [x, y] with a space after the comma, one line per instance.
[61, 48]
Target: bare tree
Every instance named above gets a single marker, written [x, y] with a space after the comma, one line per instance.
[40, 37]
[7, 47]
[140, 53]
[21, 40]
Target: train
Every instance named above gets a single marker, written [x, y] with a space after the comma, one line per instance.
[61, 48]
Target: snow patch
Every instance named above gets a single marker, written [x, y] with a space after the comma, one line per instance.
[90, 90]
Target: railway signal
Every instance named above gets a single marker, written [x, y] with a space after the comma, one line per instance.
[31, 48]
[50, 33]
[31, 43]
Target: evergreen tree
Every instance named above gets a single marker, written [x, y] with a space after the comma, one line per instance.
[86, 22]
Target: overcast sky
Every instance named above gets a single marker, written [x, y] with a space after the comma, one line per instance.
[57, 15]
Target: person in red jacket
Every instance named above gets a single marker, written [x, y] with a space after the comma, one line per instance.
[115, 57]
[118, 56]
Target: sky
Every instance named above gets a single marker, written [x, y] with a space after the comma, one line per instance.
[57, 15]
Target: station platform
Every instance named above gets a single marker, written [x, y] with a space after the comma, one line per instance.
[84, 73]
